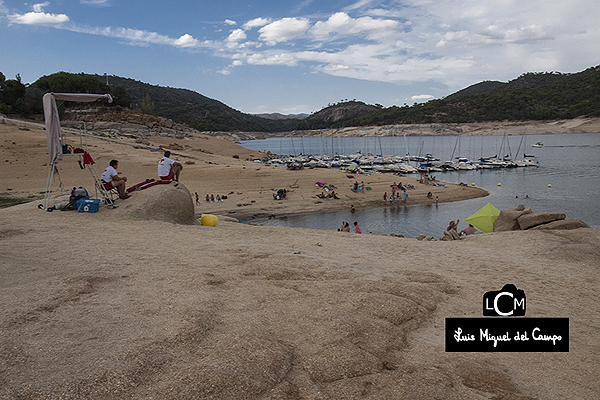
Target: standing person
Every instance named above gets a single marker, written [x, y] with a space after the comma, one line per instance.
[385, 196]
[356, 228]
[405, 195]
[110, 179]
[362, 186]
[169, 169]
[197, 198]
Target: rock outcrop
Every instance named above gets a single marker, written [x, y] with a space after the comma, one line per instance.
[530, 220]
[169, 203]
[508, 219]
[521, 218]
[129, 123]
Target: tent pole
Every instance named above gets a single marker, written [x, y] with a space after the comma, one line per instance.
[49, 185]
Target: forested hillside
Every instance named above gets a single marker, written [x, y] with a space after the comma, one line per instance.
[532, 96]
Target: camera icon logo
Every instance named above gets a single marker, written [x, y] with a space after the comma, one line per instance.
[509, 301]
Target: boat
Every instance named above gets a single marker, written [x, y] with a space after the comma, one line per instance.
[538, 144]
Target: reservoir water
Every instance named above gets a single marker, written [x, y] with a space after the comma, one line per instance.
[569, 163]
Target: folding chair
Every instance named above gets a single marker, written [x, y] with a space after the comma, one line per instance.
[111, 192]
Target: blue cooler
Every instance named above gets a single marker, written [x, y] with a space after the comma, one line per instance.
[88, 205]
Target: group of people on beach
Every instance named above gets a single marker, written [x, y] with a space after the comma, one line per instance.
[453, 227]
[358, 187]
[395, 197]
[212, 198]
[396, 189]
[168, 170]
[346, 227]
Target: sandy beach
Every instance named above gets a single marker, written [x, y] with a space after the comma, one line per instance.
[211, 166]
[127, 304]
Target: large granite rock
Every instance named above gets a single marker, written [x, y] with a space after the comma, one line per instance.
[508, 219]
[571, 223]
[168, 202]
[530, 220]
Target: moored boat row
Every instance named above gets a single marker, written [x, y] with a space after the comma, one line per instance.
[397, 164]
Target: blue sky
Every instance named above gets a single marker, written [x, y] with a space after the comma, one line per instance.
[299, 56]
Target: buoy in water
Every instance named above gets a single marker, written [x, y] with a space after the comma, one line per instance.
[473, 184]
[549, 185]
[209, 220]
[499, 184]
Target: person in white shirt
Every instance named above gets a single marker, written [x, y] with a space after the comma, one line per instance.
[169, 169]
[110, 179]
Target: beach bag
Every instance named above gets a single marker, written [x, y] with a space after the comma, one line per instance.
[76, 194]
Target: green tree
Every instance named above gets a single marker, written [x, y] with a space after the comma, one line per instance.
[12, 94]
[147, 104]
[121, 97]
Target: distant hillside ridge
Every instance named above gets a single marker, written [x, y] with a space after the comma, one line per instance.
[529, 79]
[336, 115]
[279, 116]
[189, 107]
[531, 96]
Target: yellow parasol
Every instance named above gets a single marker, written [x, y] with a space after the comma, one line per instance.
[484, 219]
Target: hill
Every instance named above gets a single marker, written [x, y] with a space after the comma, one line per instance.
[531, 96]
[278, 116]
[180, 105]
[336, 115]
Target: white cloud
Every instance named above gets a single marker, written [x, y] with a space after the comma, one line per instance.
[230, 22]
[38, 17]
[237, 35]
[422, 97]
[272, 58]
[359, 4]
[95, 2]
[256, 23]
[132, 36]
[234, 39]
[494, 35]
[139, 37]
[284, 30]
[186, 40]
[342, 23]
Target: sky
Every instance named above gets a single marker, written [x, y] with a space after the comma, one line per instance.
[300, 56]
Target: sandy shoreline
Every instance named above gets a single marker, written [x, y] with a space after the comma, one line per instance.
[106, 306]
[209, 168]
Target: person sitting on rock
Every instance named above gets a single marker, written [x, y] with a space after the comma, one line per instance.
[169, 169]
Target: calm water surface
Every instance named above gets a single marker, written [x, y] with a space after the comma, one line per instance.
[570, 163]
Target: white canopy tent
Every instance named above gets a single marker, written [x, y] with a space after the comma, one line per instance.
[53, 132]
